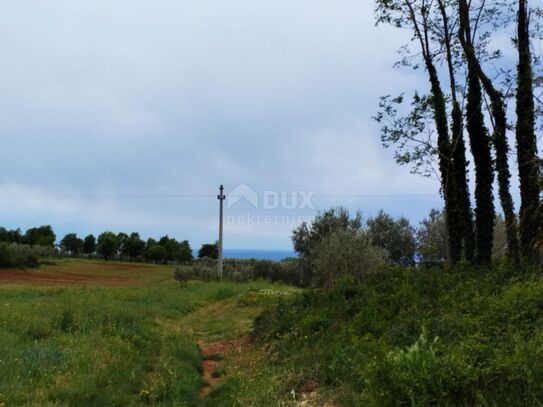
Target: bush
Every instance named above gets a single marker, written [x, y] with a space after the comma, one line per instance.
[182, 275]
[5, 255]
[204, 272]
[346, 253]
[22, 255]
[286, 271]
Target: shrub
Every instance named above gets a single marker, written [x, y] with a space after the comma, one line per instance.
[286, 271]
[346, 253]
[308, 236]
[418, 374]
[5, 255]
[204, 272]
[183, 275]
[22, 255]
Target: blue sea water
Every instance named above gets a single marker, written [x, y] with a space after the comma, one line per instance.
[258, 254]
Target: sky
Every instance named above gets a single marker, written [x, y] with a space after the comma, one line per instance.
[128, 115]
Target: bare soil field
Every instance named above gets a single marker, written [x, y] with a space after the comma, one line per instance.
[87, 272]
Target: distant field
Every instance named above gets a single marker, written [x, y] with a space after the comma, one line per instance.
[93, 272]
[91, 333]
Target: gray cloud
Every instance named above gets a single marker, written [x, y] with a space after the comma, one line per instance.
[126, 115]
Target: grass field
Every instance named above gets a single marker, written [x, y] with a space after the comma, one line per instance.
[90, 333]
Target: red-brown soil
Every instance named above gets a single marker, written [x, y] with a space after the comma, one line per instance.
[87, 273]
[40, 278]
[209, 351]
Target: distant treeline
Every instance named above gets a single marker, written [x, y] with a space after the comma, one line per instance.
[108, 245]
[24, 250]
[40, 236]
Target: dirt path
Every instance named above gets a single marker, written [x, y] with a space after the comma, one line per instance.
[213, 355]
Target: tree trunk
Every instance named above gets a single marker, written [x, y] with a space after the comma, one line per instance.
[500, 129]
[502, 165]
[443, 140]
[461, 220]
[460, 181]
[484, 174]
[444, 151]
[526, 140]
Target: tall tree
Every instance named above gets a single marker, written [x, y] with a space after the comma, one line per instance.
[184, 255]
[526, 140]
[172, 247]
[484, 176]
[40, 236]
[476, 77]
[72, 244]
[89, 245]
[417, 14]
[462, 206]
[108, 245]
[133, 246]
[396, 237]
[210, 250]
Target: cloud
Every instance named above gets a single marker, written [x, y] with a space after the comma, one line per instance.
[129, 114]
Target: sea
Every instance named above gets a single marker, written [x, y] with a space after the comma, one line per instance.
[258, 254]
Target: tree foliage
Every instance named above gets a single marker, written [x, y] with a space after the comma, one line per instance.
[209, 250]
[107, 245]
[307, 237]
[346, 253]
[133, 246]
[40, 236]
[396, 237]
[71, 244]
[89, 245]
[432, 239]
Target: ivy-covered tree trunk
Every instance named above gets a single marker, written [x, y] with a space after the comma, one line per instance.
[526, 140]
[462, 216]
[439, 108]
[480, 148]
[460, 182]
[500, 130]
[432, 33]
[444, 152]
[502, 165]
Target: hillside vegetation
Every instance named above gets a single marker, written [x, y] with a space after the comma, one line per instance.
[413, 337]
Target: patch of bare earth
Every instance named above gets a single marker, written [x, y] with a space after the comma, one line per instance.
[313, 400]
[213, 355]
[14, 276]
[84, 272]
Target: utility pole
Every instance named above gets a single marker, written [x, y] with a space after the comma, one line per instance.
[221, 197]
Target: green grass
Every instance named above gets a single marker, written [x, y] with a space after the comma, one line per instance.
[400, 338]
[94, 345]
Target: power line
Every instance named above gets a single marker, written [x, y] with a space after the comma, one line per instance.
[206, 196]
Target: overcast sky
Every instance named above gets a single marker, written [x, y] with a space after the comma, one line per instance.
[127, 115]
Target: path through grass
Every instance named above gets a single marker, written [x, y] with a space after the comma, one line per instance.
[81, 345]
